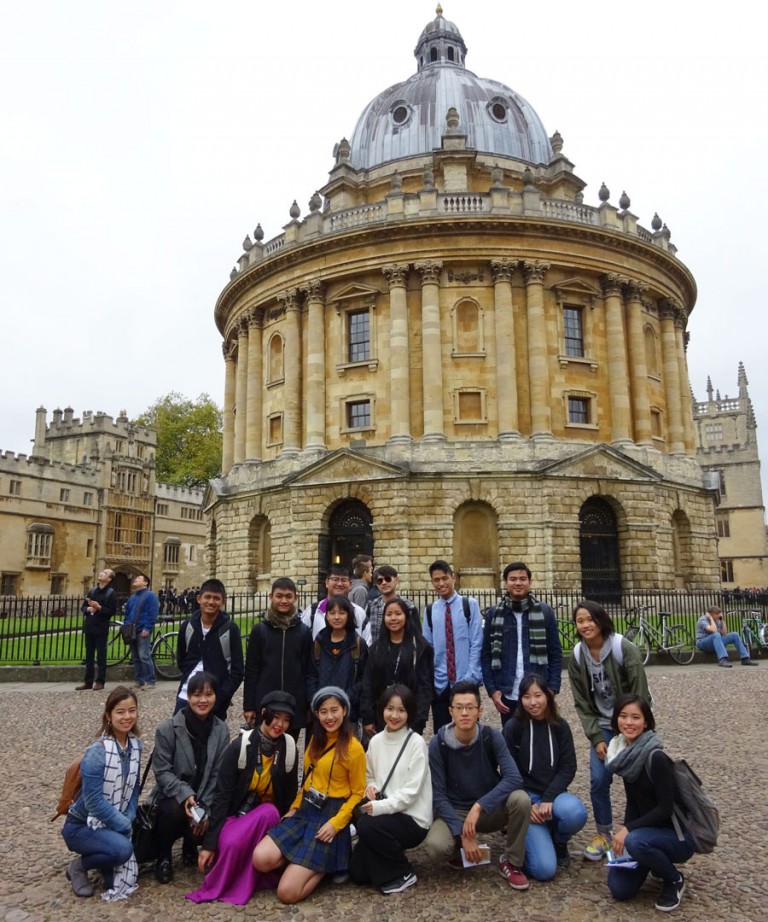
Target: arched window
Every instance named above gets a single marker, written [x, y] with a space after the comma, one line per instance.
[651, 351]
[350, 532]
[260, 550]
[599, 551]
[476, 545]
[276, 367]
[468, 331]
[682, 549]
[39, 544]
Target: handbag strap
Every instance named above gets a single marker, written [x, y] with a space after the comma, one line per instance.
[146, 772]
[394, 764]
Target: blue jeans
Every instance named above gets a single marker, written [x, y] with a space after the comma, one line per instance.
[600, 787]
[655, 848]
[715, 643]
[143, 667]
[568, 816]
[100, 848]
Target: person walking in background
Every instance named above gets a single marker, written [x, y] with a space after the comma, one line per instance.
[142, 609]
[712, 638]
[360, 588]
[98, 608]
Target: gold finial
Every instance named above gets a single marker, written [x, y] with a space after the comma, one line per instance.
[439, 9]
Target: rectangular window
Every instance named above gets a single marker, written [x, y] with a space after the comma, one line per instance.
[162, 508]
[87, 499]
[9, 583]
[39, 546]
[656, 423]
[579, 410]
[573, 326]
[470, 406]
[57, 584]
[359, 414]
[359, 336]
[726, 571]
[89, 548]
[275, 429]
[171, 555]
[721, 475]
[14, 488]
[723, 526]
[714, 432]
[64, 495]
[192, 556]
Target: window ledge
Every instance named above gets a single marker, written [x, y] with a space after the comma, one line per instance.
[370, 364]
[593, 426]
[565, 360]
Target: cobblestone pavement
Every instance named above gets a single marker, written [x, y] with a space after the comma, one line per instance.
[715, 718]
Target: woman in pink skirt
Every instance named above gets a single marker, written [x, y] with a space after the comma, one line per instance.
[258, 780]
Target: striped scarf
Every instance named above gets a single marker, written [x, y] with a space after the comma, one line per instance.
[537, 632]
[117, 791]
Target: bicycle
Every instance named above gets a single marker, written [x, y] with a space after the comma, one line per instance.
[565, 628]
[163, 648]
[754, 631]
[674, 639]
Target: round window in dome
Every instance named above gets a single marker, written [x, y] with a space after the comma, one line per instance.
[400, 113]
[498, 110]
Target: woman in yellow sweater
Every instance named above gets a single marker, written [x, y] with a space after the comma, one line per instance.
[313, 838]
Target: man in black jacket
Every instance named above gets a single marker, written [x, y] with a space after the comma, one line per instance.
[210, 640]
[99, 606]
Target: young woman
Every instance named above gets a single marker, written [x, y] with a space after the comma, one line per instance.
[398, 812]
[313, 839]
[340, 653]
[252, 793]
[648, 835]
[400, 656]
[604, 665]
[100, 822]
[541, 744]
[188, 749]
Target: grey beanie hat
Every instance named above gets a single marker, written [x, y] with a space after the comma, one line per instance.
[330, 691]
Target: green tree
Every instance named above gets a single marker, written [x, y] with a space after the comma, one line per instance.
[189, 438]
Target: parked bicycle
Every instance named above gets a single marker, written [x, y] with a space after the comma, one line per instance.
[674, 639]
[164, 642]
[754, 631]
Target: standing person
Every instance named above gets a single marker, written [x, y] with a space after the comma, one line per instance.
[340, 653]
[337, 583]
[279, 656]
[476, 788]
[210, 641]
[313, 838]
[399, 794]
[400, 656]
[99, 823]
[603, 667]
[541, 744]
[712, 638]
[520, 638]
[257, 781]
[453, 627]
[98, 608]
[360, 588]
[387, 581]
[636, 755]
[185, 761]
[142, 609]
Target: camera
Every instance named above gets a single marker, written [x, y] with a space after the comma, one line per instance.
[198, 814]
[314, 798]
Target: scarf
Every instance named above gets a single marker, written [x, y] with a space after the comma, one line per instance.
[537, 632]
[199, 732]
[627, 760]
[279, 620]
[117, 790]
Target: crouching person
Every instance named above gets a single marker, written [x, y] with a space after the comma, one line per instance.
[476, 788]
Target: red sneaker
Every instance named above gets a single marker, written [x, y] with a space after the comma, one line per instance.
[514, 875]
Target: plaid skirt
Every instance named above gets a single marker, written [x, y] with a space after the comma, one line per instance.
[295, 837]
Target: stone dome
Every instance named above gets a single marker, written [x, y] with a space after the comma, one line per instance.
[408, 119]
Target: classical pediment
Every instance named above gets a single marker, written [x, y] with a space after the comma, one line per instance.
[344, 465]
[355, 292]
[602, 461]
[576, 286]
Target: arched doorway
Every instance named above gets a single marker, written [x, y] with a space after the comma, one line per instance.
[350, 532]
[599, 547]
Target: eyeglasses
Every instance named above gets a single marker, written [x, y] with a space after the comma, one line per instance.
[338, 579]
[384, 579]
[464, 708]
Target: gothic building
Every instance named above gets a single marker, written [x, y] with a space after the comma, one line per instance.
[454, 355]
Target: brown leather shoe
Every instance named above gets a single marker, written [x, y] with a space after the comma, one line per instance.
[83, 687]
[98, 686]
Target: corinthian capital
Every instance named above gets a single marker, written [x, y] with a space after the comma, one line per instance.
[314, 290]
[290, 299]
[672, 309]
[430, 270]
[503, 270]
[396, 274]
[613, 283]
[635, 290]
[534, 271]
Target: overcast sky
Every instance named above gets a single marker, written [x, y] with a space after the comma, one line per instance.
[142, 141]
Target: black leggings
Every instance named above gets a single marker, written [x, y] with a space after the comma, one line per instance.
[379, 855]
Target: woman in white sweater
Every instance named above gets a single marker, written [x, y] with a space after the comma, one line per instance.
[397, 812]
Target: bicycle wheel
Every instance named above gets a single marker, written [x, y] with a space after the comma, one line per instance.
[764, 636]
[636, 636]
[164, 656]
[679, 644]
[118, 650]
[750, 641]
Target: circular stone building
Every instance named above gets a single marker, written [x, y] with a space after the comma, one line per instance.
[453, 355]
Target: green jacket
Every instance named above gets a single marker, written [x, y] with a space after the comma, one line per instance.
[627, 678]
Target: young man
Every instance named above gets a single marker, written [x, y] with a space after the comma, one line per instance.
[520, 638]
[362, 570]
[387, 581]
[336, 583]
[279, 656]
[712, 638]
[476, 788]
[453, 626]
[142, 609]
[210, 641]
[99, 606]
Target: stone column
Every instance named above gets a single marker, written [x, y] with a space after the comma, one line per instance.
[254, 397]
[538, 357]
[315, 365]
[293, 373]
[241, 390]
[399, 359]
[432, 354]
[671, 364]
[228, 447]
[689, 431]
[618, 373]
[638, 370]
[506, 358]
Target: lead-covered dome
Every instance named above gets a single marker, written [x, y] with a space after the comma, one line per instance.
[409, 118]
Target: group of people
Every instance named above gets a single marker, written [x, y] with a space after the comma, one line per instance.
[366, 677]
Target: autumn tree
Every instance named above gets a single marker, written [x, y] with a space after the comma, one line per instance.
[189, 438]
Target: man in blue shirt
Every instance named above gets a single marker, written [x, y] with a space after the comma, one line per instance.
[457, 640]
[142, 608]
